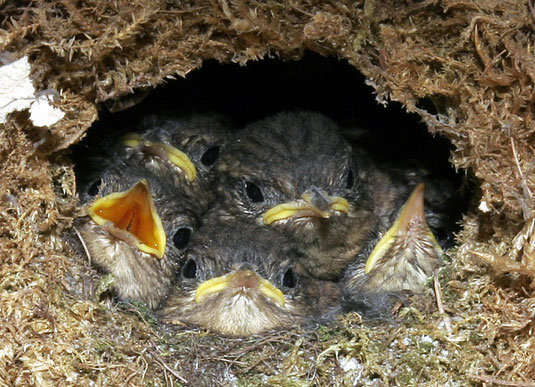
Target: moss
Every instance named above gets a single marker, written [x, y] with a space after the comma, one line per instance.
[472, 58]
[142, 311]
[104, 285]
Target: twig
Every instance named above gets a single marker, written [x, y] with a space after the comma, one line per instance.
[130, 378]
[144, 371]
[488, 379]
[162, 364]
[181, 11]
[295, 8]
[479, 49]
[493, 61]
[518, 165]
[440, 305]
[524, 184]
[480, 255]
[83, 244]
[231, 361]
[532, 10]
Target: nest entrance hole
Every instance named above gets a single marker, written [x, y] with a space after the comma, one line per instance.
[247, 93]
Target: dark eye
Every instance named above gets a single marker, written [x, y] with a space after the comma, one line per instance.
[190, 269]
[181, 237]
[289, 279]
[94, 187]
[350, 179]
[210, 156]
[254, 192]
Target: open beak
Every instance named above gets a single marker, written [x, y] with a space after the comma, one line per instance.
[413, 211]
[244, 278]
[165, 151]
[313, 203]
[132, 211]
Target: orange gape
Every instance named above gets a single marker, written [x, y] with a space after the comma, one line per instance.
[133, 211]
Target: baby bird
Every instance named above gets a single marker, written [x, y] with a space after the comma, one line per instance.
[130, 217]
[239, 279]
[296, 173]
[404, 257]
[182, 151]
[391, 181]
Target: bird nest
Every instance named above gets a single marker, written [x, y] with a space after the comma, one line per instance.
[474, 62]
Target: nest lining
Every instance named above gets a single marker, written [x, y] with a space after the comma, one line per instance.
[473, 59]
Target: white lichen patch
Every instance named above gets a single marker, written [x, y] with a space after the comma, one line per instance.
[18, 93]
[484, 207]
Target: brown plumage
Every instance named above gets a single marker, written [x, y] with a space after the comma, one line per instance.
[405, 256]
[240, 279]
[180, 150]
[295, 173]
[116, 239]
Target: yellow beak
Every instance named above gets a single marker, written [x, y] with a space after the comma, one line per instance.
[412, 211]
[305, 208]
[239, 279]
[132, 211]
[166, 151]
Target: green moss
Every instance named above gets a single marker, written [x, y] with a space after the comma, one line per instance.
[102, 345]
[141, 310]
[250, 380]
[475, 338]
[104, 285]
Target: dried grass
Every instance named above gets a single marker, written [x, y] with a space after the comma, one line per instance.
[473, 59]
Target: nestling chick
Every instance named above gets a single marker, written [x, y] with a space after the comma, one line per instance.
[391, 181]
[239, 279]
[182, 151]
[403, 259]
[295, 173]
[127, 227]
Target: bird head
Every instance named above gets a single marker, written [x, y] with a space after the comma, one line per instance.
[404, 257]
[239, 279]
[126, 231]
[181, 150]
[291, 170]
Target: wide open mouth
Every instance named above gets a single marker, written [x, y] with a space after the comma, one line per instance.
[132, 212]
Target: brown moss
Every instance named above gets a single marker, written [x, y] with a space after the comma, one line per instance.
[472, 59]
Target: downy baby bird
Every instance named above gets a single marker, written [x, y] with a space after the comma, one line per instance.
[416, 212]
[405, 256]
[294, 172]
[240, 279]
[180, 150]
[137, 228]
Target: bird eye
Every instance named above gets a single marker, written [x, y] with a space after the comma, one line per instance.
[190, 269]
[181, 237]
[289, 279]
[350, 179]
[210, 156]
[94, 187]
[254, 192]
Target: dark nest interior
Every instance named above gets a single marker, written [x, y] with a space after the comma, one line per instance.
[245, 94]
[437, 80]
